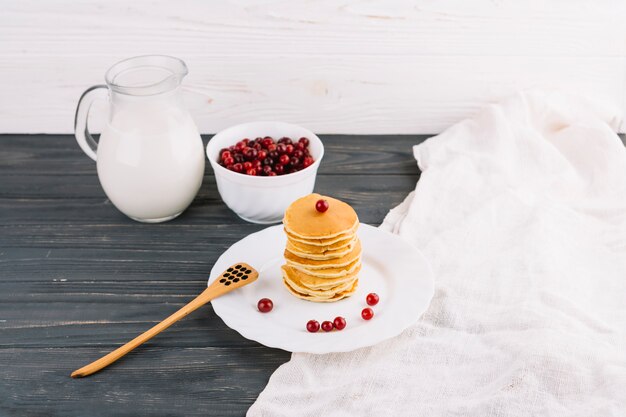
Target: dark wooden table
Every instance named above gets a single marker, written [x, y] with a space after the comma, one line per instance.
[78, 279]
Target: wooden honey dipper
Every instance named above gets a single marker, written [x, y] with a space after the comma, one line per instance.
[237, 276]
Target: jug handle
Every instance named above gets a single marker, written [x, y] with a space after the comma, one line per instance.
[81, 130]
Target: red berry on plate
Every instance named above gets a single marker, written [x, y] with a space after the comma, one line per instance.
[265, 305]
[327, 326]
[251, 171]
[339, 323]
[321, 206]
[228, 161]
[284, 159]
[367, 313]
[312, 326]
[372, 299]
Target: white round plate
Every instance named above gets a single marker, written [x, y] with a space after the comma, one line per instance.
[392, 268]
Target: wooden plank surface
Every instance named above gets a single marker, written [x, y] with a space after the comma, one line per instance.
[347, 66]
[77, 279]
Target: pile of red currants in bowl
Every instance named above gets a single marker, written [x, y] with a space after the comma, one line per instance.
[266, 157]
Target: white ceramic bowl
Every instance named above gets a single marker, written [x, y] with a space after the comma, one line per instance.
[263, 199]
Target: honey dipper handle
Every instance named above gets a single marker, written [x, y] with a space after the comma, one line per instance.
[207, 295]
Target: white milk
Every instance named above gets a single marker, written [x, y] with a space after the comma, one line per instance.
[150, 157]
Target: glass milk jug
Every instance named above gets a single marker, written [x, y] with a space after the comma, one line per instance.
[150, 156]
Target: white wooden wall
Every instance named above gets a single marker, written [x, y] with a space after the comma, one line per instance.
[346, 66]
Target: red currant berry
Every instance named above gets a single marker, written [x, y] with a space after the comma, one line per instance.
[284, 159]
[246, 141]
[307, 162]
[271, 174]
[367, 313]
[312, 326]
[339, 323]
[228, 161]
[267, 169]
[372, 299]
[304, 141]
[240, 146]
[321, 206]
[257, 165]
[281, 148]
[327, 326]
[279, 169]
[289, 149]
[273, 154]
[265, 305]
[294, 161]
[267, 142]
[251, 172]
[285, 140]
[262, 155]
[247, 165]
[300, 146]
[226, 154]
[237, 167]
[271, 147]
[298, 154]
[239, 157]
[250, 153]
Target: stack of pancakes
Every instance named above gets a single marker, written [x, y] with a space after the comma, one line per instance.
[323, 252]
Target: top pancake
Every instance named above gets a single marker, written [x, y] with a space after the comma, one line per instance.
[304, 221]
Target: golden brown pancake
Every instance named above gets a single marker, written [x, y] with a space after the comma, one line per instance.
[323, 242]
[335, 297]
[301, 278]
[304, 221]
[328, 263]
[329, 272]
[329, 254]
[305, 247]
[327, 292]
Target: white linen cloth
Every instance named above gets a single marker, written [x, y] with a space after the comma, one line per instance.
[521, 211]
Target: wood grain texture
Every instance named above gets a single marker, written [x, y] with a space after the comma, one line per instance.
[78, 279]
[349, 66]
